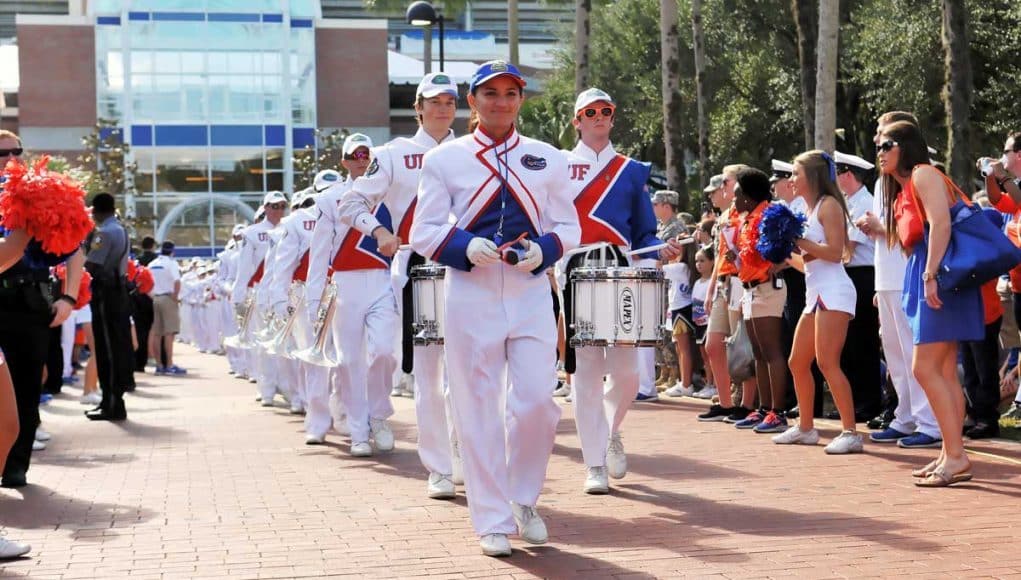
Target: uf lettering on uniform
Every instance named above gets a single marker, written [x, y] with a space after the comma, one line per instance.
[413, 161]
[263, 236]
[579, 170]
[309, 225]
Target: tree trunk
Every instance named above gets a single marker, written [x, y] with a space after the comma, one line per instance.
[581, 44]
[698, 45]
[957, 92]
[670, 49]
[512, 30]
[805, 20]
[826, 75]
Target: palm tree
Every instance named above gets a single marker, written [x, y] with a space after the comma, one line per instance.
[698, 45]
[581, 44]
[957, 91]
[671, 56]
[826, 75]
[805, 20]
[512, 30]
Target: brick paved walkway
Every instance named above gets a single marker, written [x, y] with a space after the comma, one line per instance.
[202, 482]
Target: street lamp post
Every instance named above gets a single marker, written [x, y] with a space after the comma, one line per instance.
[423, 13]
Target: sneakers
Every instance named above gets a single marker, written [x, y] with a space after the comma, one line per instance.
[93, 398]
[163, 371]
[45, 398]
[297, 408]
[1013, 413]
[530, 526]
[596, 482]
[38, 445]
[716, 413]
[753, 419]
[361, 449]
[11, 549]
[888, 435]
[381, 434]
[846, 442]
[919, 440]
[457, 467]
[495, 545]
[643, 398]
[616, 460]
[41, 435]
[569, 397]
[404, 387]
[267, 401]
[707, 393]
[739, 414]
[563, 389]
[795, 436]
[314, 439]
[440, 486]
[175, 370]
[679, 390]
[773, 423]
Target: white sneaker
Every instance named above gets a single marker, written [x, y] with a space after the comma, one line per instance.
[616, 460]
[314, 439]
[38, 445]
[361, 449]
[341, 426]
[530, 526]
[562, 391]
[267, 402]
[93, 398]
[496, 545]
[407, 385]
[846, 442]
[569, 396]
[440, 486]
[41, 435]
[457, 466]
[297, 408]
[596, 482]
[252, 380]
[381, 434]
[795, 435]
[679, 390]
[707, 392]
[12, 549]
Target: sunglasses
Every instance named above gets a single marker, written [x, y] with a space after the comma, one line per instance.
[15, 152]
[592, 112]
[886, 146]
[360, 154]
[278, 205]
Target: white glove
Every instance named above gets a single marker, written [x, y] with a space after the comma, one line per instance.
[532, 259]
[482, 252]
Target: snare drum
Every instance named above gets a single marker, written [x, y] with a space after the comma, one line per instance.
[622, 306]
[429, 297]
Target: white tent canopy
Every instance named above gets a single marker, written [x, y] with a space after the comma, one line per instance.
[405, 70]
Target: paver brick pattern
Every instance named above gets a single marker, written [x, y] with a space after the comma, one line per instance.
[202, 482]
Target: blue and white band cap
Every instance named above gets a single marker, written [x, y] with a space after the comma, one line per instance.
[492, 69]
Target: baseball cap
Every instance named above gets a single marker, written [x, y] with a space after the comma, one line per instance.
[589, 96]
[299, 196]
[356, 140]
[436, 84]
[274, 197]
[325, 179]
[167, 248]
[238, 228]
[492, 69]
[715, 182]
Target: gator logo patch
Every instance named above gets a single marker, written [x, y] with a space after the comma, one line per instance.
[532, 162]
[498, 66]
[441, 80]
[373, 168]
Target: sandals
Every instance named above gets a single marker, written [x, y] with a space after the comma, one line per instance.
[941, 477]
[927, 470]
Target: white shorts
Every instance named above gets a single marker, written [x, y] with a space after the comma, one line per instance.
[839, 297]
[83, 315]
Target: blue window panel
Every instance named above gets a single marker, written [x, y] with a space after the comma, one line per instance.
[272, 17]
[179, 16]
[106, 132]
[182, 135]
[236, 135]
[303, 137]
[141, 135]
[275, 135]
[301, 23]
[109, 20]
[232, 17]
[138, 16]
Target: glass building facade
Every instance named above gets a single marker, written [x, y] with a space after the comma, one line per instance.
[213, 96]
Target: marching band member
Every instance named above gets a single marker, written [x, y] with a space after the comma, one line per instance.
[609, 193]
[392, 181]
[507, 195]
[275, 376]
[328, 240]
[226, 278]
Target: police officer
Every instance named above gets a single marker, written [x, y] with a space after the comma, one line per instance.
[107, 261]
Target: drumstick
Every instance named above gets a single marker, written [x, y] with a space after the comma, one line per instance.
[583, 249]
[658, 247]
[403, 247]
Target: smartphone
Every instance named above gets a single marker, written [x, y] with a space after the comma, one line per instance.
[778, 283]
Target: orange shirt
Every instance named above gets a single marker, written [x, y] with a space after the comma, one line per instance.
[753, 267]
[1007, 205]
[729, 219]
[991, 305]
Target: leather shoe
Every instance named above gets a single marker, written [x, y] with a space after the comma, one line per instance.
[14, 480]
[983, 430]
[103, 415]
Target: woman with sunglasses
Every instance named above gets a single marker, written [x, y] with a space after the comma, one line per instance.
[609, 193]
[829, 304]
[939, 320]
[496, 208]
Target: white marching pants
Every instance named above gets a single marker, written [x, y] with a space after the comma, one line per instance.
[435, 432]
[269, 372]
[647, 370]
[364, 331]
[501, 367]
[913, 412]
[317, 400]
[235, 357]
[599, 410]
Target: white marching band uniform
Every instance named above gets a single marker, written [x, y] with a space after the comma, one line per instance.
[250, 270]
[500, 332]
[226, 277]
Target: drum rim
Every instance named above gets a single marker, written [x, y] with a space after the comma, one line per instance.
[428, 271]
[617, 273]
[603, 342]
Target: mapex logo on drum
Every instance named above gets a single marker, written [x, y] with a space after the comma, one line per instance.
[626, 309]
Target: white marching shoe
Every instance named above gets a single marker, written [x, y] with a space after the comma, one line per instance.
[297, 408]
[38, 445]
[41, 435]
[314, 439]
[596, 482]
[457, 466]
[381, 434]
[440, 486]
[496, 545]
[616, 460]
[93, 398]
[562, 391]
[361, 449]
[405, 387]
[531, 528]
[12, 549]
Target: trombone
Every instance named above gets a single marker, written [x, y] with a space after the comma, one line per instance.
[280, 342]
[244, 317]
[316, 354]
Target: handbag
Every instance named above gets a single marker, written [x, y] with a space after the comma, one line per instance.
[978, 251]
[740, 357]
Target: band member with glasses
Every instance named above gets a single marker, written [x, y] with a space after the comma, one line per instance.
[609, 194]
[486, 201]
